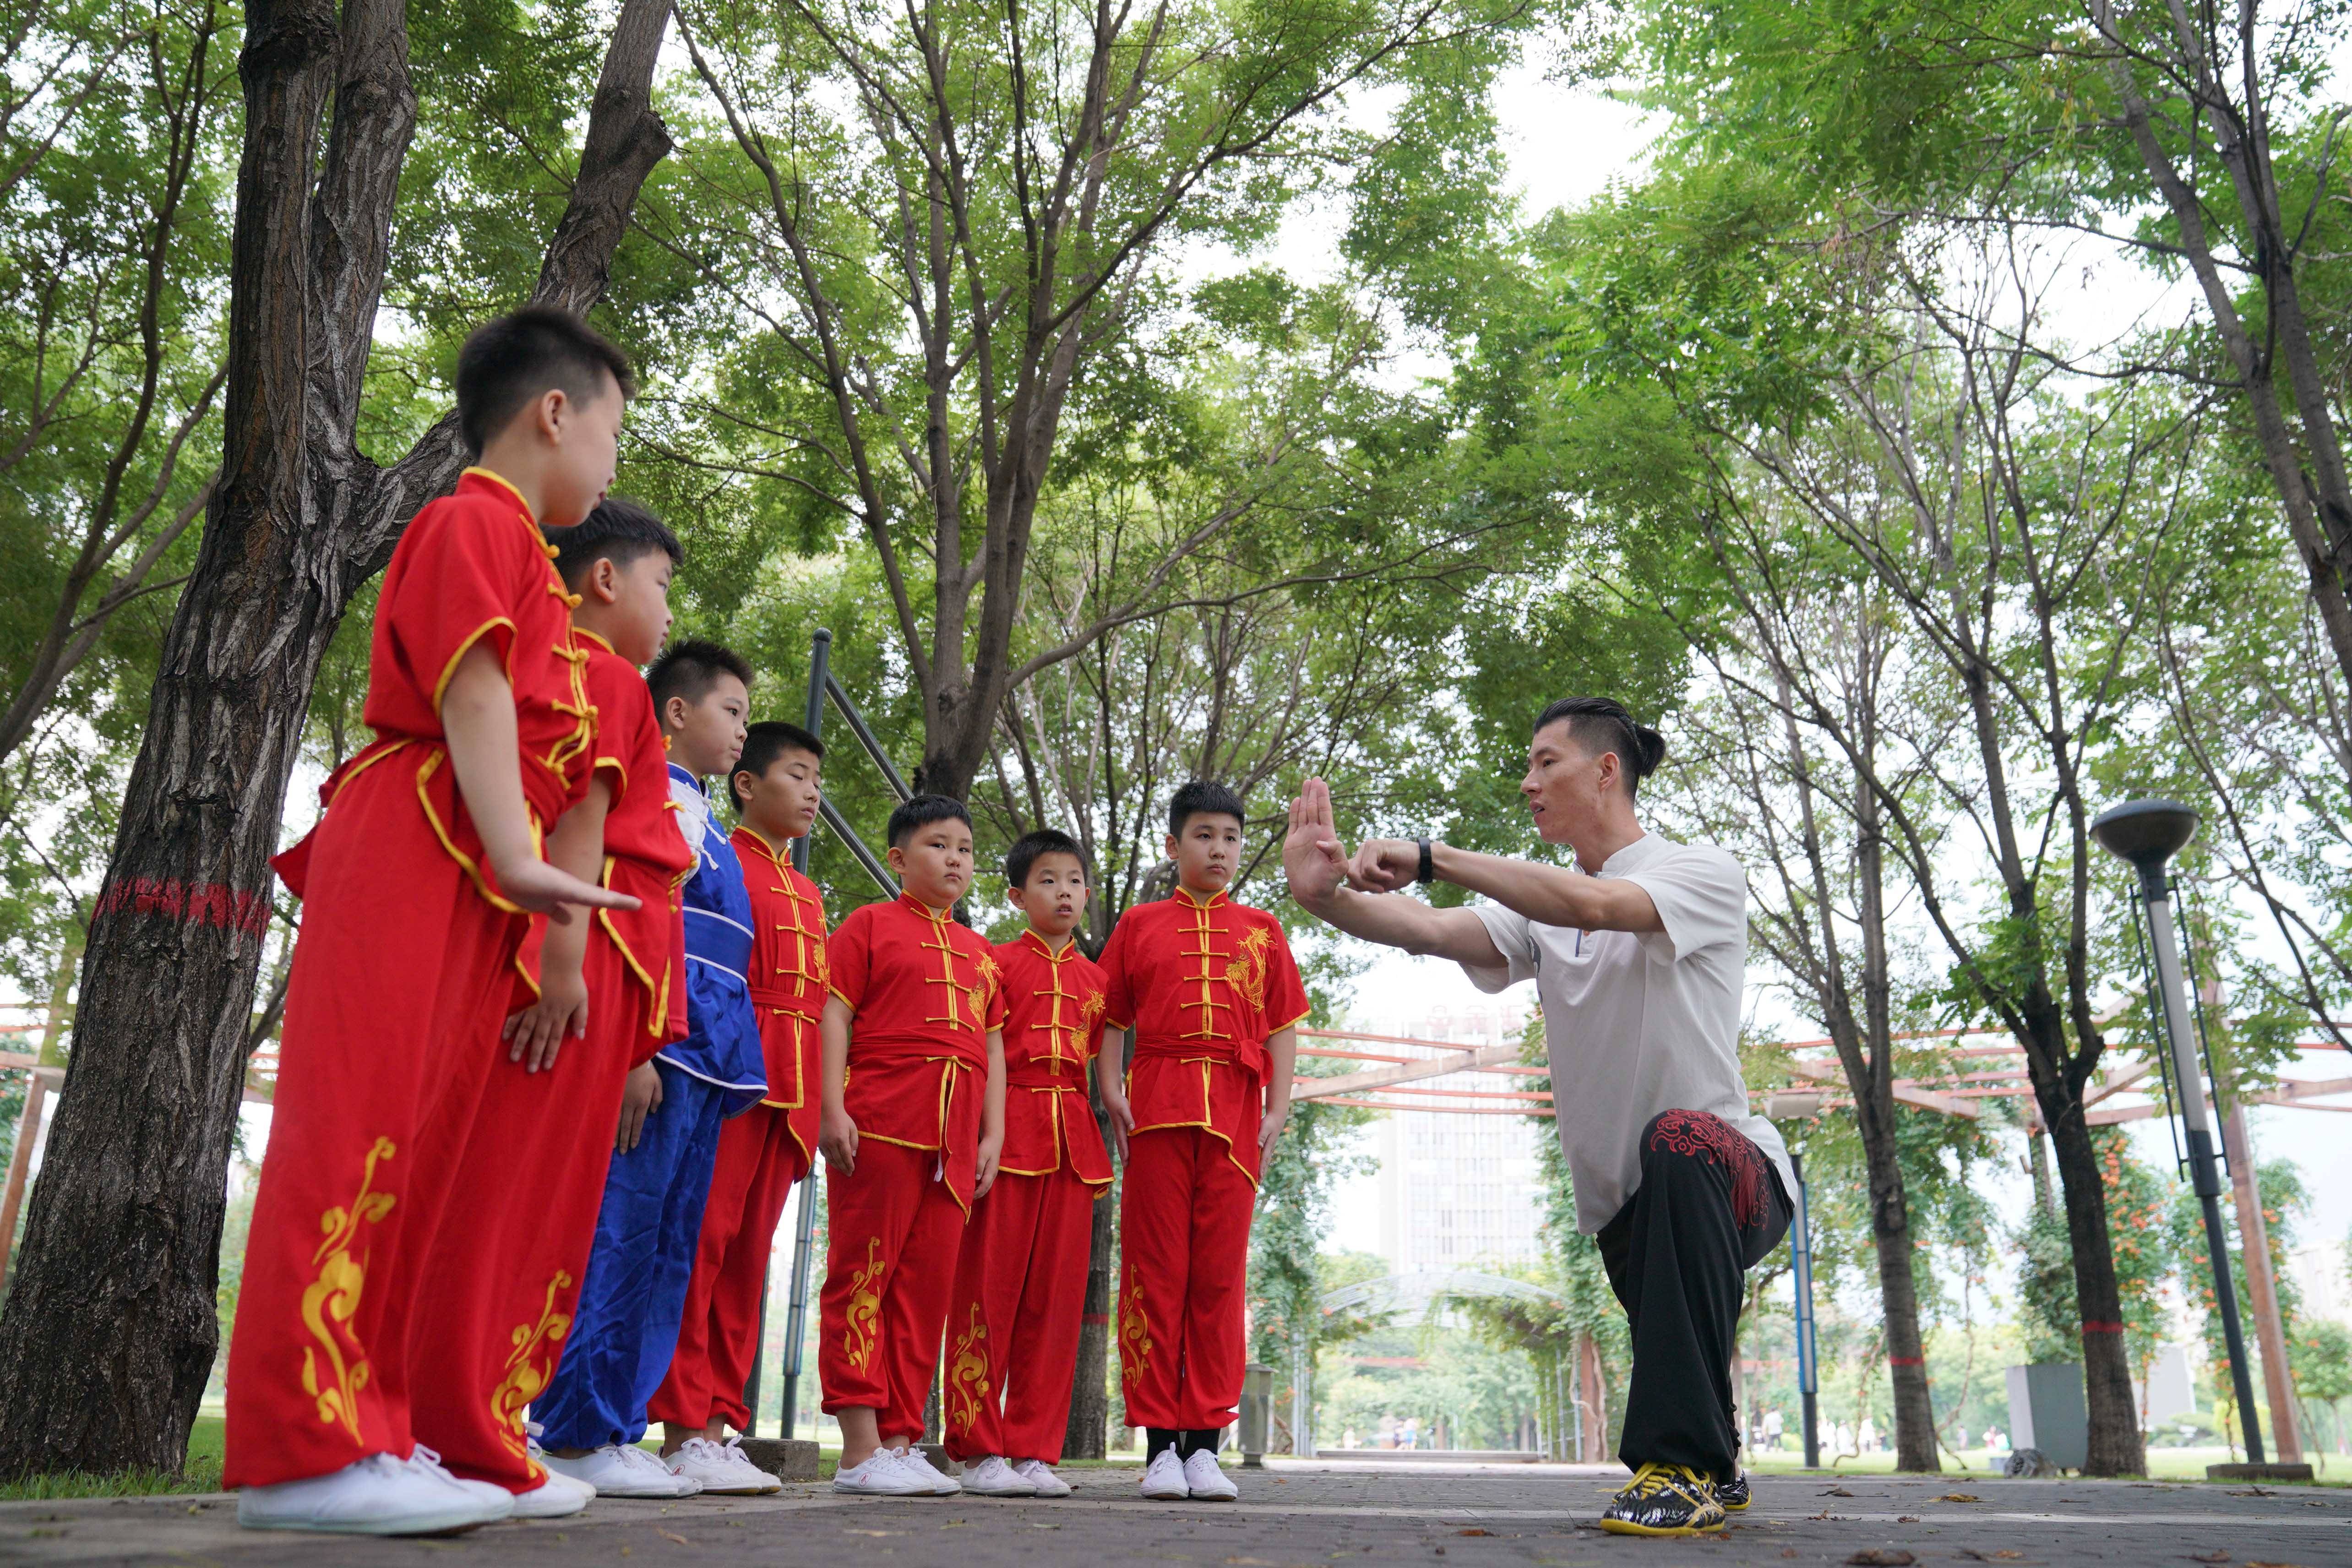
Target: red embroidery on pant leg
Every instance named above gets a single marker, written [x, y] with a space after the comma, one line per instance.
[1714, 1140]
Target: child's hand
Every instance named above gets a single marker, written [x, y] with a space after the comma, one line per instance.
[837, 1139]
[538, 1030]
[641, 1096]
[543, 890]
[1121, 1116]
[992, 1154]
[1271, 1128]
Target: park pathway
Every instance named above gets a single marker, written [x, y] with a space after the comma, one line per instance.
[1295, 1517]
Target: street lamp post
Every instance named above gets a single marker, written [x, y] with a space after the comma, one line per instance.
[2148, 833]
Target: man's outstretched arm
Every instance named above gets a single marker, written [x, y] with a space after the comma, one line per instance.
[1548, 895]
[1318, 869]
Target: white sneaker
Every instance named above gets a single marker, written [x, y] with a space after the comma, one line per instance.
[375, 1496]
[424, 1461]
[539, 1457]
[558, 1497]
[881, 1475]
[1164, 1479]
[1206, 1480]
[623, 1470]
[918, 1463]
[1040, 1475]
[990, 1476]
[723, 1469]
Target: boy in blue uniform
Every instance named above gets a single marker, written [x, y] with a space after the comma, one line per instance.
[593, 1412]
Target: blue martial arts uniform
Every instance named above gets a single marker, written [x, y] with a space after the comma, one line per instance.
[625, 1328]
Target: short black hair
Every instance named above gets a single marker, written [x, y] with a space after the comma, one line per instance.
[619, 531]
[919, 811]
[689, 668]
[1204, 798]
[765, 741]
[511, 360]
[1031, 848]
[1601, 724]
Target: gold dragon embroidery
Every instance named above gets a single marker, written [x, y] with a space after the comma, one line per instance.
[865, 1307]
[967, 1390]
[1134, 1333]
[528, 1375]
[1246, 974]
[329, 1301]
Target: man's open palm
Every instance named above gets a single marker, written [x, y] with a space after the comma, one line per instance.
[1311, 855]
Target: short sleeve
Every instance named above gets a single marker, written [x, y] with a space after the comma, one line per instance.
[1285, 991]
[457, 586]
[1118, 999]
[1094, 1017]
[849, 958]
[1514, 936]
[617, 739]
[1701, 896]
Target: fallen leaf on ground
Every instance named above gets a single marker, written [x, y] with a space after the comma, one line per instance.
[1906, 1519]
[1959, 1497]
[1882, 1557]
[1473, 1529]
[2216, 1555]
[846, 1532]
[671, 1535]
[1834, 1491]
[2251, 1491]
[2003, 1556]
[2257, 1563]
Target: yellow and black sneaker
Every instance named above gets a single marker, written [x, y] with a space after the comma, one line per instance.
[1663, 1499]
[1732, 1494]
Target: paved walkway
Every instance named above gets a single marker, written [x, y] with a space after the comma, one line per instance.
[1294, 1517]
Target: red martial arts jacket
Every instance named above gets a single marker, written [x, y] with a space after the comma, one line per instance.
[1204, 983]
[1053, 1029]
[787, 978]
[470, 567]
[926, 993]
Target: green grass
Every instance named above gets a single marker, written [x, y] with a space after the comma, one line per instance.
[203, 1475]
[2163, 1465]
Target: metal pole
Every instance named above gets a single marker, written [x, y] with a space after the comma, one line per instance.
[804, 1226]
[1801, 1252]
[2204, 1170]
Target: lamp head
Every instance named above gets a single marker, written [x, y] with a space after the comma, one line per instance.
[2147, 833]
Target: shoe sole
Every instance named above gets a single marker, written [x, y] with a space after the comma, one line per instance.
[753, 1489]
[1214, 1497]
[1167, 1497]
[1627, 1527]
[875, 1491]
[1007, 1492]
[1731, 1507]
[424, 1527]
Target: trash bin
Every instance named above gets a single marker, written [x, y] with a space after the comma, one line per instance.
[1257, 1408]
[2047, 1413]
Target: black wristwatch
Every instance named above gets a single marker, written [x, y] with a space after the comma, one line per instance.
[1428, 872]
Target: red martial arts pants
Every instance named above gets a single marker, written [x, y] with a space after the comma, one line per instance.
[1184, 1228]
[889, 1268]
[503, 1275]
[1012, 1327]
[758, 1161]
[400, 980]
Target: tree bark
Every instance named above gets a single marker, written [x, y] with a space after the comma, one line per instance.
[110, 1330]
[2116, 1445]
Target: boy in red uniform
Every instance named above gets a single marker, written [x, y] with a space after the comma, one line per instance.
[912, 1121]
[1212, 1000]
[415, 887]
[1021, 1280]
[776, 787]
[598, 994]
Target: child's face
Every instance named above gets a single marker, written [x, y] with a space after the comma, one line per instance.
[1207, 852]
[780, 805]
[934, 863]
[628, 607]
[1055, 896]
[706, 736]
[585, 441]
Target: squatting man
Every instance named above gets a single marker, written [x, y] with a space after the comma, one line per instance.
[1638, 953]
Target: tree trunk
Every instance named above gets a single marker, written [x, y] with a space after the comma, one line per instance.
[1898, 1294]
[2116, 1446]
[110, 1330]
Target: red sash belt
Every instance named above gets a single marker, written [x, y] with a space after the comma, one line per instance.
[1250, 1055]
[785, 1001]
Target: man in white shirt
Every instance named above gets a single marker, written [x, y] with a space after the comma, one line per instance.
[1639, 954]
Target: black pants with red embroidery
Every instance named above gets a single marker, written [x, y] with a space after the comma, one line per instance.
[1709, 1207]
